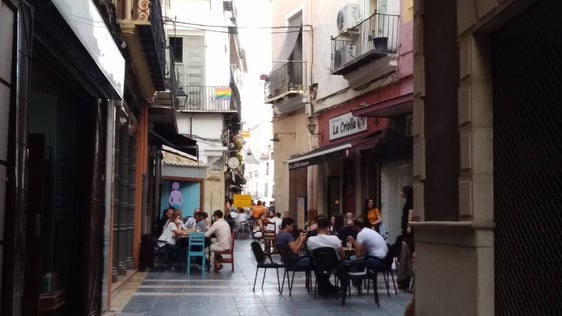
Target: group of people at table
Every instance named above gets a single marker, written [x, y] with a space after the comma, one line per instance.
[354, 239]
[175, 234]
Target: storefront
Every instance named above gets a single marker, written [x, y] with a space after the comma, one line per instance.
[328, 178]
[58, 98]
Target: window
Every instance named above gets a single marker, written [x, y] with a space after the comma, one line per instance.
[176, 43]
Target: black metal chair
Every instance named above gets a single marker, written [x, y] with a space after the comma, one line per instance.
[327, 263]
[356, 270]
[387, 269]
[290, 264]
[262, 263]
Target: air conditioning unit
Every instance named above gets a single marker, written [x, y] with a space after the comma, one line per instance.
[348, 17]
[343, 55]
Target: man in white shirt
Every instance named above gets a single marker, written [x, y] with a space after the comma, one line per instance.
[369, 243]
[223, 239]
[325, 239]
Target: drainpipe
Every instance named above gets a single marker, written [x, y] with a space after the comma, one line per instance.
[108, 194]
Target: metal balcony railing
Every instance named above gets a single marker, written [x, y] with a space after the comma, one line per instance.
[372, 38]
[206, 99]
[289, 78]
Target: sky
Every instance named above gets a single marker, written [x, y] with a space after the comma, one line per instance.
[254, 16]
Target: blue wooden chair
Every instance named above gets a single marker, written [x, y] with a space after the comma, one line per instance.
[196, 248]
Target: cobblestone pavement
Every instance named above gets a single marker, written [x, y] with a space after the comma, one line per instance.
[171, 293]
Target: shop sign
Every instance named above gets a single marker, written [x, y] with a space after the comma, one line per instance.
[345, 125]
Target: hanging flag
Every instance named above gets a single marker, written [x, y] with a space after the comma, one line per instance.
[223, 93]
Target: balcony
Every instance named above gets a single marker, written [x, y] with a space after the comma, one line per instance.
[369, 40]
[143, 32]
[286, 81]
[208, 99]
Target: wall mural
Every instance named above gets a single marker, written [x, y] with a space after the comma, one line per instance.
[181, 195]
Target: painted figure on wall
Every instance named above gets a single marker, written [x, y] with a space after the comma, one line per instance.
[176, 198]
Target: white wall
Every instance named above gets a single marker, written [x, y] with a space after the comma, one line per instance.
[205, 18]
[208, 126]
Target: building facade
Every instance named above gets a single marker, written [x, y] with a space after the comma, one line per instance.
[209, 64]
[349, 106]
[487, 160]
[86, 108]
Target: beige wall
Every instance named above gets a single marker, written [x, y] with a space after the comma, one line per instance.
[288, 145]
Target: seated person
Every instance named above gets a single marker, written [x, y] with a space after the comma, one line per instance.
[166, 215]
[259, 226]
[348, 229]
[190, 222]
[170, 235]
[325, 239]
[223, 239]
[201, 221]
[285, 238]
[241, 217]
[369, 243]
[313, 229]
[182, 224]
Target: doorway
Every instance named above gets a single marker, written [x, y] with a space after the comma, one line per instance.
[527, 165]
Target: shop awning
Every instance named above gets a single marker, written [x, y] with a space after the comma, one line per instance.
[337, 151]
[178, 142]
[386, 108]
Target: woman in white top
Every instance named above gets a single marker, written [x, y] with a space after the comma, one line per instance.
[171, 231]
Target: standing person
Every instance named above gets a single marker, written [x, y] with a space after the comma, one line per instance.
[223, 239]
[371, 214]
[369, 243]
[348, 229]
[407, 212]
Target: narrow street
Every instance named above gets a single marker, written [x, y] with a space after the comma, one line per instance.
[230, 293]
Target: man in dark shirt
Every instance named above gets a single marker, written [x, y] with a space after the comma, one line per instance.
[348, 229]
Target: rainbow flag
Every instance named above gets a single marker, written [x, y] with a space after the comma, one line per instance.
[223, 93]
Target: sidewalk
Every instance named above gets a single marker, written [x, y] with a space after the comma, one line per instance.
[227, 293]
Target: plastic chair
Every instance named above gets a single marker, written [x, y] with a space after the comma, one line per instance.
[229, 252]
[289, 263]
[327, 262]
[261, 257]
[196, 248]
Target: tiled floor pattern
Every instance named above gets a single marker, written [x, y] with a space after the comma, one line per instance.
[230, 293]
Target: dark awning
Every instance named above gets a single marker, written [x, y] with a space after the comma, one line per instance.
[179, 142]
[318, 156]
[386, 108]
[333, 152]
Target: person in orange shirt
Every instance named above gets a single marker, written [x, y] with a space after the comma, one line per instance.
[371, 215]
[258, 210]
